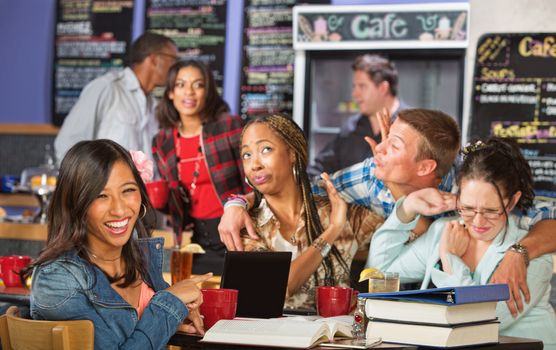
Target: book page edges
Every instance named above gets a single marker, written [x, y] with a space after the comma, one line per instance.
[430, 313]
[429, 335]
[268, 333]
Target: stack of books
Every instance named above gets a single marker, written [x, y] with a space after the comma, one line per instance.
[440, 317]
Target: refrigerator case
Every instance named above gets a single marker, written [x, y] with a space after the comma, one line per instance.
[427, 79]
[426, 42]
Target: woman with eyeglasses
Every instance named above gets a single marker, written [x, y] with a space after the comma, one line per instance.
[494, 179]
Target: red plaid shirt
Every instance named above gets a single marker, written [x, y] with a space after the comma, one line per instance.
[221, 143]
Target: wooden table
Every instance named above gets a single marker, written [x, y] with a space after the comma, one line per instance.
[15, 295]
[507, 343]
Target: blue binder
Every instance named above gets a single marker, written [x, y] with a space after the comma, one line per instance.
[448, 295]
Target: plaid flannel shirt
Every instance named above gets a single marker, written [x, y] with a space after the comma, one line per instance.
[358, 184]
[220, 143]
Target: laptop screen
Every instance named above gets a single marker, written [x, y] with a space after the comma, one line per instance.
[261, 279]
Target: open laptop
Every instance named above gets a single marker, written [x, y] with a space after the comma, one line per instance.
[261, 279]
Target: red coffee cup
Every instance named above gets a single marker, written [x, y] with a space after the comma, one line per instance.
[158, 193]
[10, 267]
[333, 301]
[218, 304]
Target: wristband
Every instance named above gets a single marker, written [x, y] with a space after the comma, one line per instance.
[521, 249]
[236, 200]
[323, 246]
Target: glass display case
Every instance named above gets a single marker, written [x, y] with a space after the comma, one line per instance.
[426, 42]
[426, 80]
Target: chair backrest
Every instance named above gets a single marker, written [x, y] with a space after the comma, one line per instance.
[4, 334]
[27, 334]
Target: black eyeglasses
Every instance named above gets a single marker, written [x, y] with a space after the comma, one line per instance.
[470, 212]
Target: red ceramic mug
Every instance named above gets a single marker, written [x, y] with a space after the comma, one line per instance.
[10, 267]
[218, 304]
[333, 301]
[158, 193]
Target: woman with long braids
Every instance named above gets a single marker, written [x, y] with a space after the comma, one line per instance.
[494, 180]
[288, 217]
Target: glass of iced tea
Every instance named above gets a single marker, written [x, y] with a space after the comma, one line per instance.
[181, 263]
[384, 282]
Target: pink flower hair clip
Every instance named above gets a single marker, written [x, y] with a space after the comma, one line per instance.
[143, 164]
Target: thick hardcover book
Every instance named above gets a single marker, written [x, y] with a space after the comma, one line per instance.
[433, 335]
[448, 295]
[441, 314]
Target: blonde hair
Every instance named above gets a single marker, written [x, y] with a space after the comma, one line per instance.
[440, 137]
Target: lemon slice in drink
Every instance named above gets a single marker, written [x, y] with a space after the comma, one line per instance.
[192, 248]
[369, 273]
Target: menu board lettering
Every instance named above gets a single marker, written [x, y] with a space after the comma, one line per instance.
[198, 27]
[514, 96]
[91, 39]
[267, 60]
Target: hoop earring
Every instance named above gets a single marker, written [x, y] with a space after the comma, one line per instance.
[248, 183]
[295, 174]
[144, 211]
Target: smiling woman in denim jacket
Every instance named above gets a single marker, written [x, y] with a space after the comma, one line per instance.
[94, 266]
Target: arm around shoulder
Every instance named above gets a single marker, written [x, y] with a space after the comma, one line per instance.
[539, 276]
[541, 238]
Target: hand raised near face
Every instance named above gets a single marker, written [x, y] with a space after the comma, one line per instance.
[384, 121]
[428, 201]
[338, 207]
[455, 239]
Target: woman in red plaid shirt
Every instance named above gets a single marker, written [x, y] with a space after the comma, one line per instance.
[197, 152]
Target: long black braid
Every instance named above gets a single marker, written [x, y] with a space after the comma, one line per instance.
[289, 132]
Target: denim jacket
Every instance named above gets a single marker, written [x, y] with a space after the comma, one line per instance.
[69, 288]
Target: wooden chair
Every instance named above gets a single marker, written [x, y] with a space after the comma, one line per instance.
[4, 335]
[24, 334]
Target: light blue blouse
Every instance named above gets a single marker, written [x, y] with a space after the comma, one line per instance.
[417, 261]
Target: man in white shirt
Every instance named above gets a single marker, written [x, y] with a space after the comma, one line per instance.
[118, 105]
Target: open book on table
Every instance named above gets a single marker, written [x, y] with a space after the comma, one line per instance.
[293, 332]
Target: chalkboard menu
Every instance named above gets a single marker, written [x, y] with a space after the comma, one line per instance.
[91, 39]
[198, 27]
[268, 58]
[514, 96]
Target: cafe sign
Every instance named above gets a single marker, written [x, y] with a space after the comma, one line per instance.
[381, 26]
